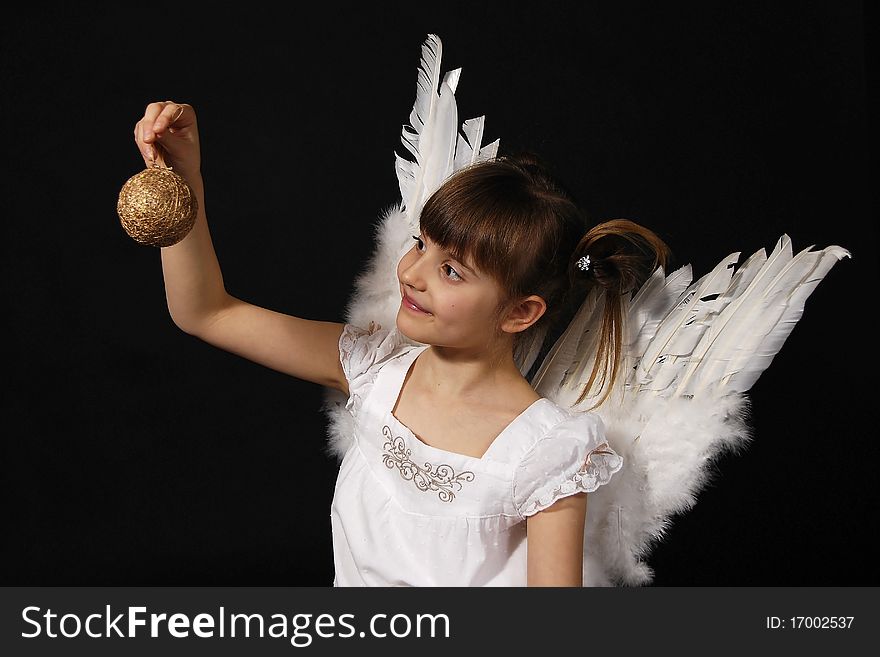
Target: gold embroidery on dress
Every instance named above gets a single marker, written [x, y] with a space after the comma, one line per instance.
[441, 479]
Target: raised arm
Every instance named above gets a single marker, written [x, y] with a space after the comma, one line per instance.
[197, 298]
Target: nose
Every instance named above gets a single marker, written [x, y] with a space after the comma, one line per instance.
[410, 272]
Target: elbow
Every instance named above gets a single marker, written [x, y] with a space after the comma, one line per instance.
[195, 323]
[187, 328]
[187, 324]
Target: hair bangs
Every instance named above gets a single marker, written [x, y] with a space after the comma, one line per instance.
[478, 218]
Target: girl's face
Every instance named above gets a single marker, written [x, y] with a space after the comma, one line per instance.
[457, 300]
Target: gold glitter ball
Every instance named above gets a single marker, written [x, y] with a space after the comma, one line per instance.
[157, 207]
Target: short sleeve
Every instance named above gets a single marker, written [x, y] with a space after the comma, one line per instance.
[361, 350]
[573, 457]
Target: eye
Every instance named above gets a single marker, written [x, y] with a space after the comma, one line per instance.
[454, 276]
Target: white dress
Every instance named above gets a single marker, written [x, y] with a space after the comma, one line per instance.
[405, 513]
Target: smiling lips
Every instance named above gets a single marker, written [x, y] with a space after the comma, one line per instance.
[412, 305]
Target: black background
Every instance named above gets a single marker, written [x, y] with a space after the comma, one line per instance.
[133, 454]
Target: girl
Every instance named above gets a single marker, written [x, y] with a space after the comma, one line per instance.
[459, 473]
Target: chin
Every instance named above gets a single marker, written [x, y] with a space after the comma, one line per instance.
[404, 329]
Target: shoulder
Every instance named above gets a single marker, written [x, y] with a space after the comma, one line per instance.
[364, 350]
[565, 441]
[571, 456]
[556, 424]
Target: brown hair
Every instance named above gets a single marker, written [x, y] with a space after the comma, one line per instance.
[514, 220]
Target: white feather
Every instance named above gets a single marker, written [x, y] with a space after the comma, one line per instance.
[564, 353]
[417, 140]
[773, 328]
[679, 325]
[730, 346]
[468, 150]
[654, 300]
[733, 322]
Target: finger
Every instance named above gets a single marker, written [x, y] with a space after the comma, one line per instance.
[171, 113]
[178, 115]
[146, 150]
[150, 115]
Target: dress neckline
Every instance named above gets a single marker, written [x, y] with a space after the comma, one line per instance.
[405, 365]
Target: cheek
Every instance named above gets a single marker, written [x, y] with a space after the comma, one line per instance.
[460, 308]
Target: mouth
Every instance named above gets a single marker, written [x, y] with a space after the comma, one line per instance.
[409, 304]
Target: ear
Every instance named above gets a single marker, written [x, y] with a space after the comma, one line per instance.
[522, 315]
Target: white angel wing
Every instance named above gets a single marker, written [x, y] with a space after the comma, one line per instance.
[439, 150]
[691, 351]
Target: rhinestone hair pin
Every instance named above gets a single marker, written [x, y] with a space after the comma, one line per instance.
[584, 262]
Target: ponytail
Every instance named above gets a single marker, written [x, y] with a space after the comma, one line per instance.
[616, 257]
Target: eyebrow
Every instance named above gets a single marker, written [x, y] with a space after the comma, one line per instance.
[458, 260]
[472, 272]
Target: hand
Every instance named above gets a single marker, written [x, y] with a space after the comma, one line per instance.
[168, 133]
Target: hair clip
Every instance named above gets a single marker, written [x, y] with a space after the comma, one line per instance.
[584, 262]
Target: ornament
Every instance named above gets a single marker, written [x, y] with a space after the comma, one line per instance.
[157, 207]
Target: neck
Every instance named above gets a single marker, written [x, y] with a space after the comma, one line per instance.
[457, 373]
